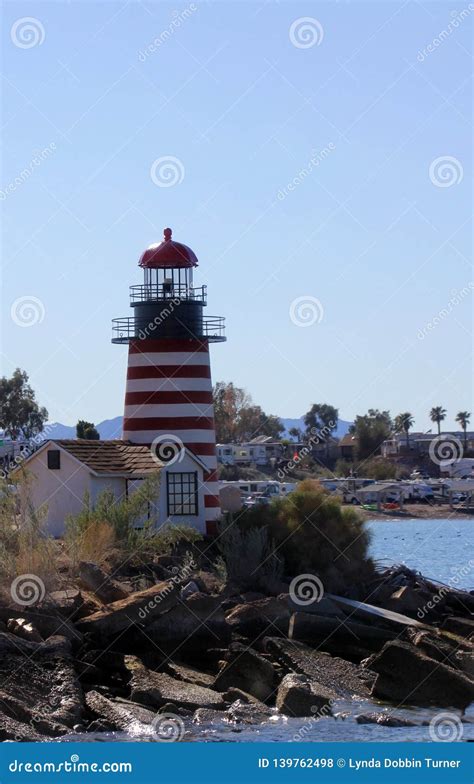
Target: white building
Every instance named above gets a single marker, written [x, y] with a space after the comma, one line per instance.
[63, 472]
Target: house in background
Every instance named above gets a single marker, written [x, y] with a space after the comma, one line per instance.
[64, 471]
[347, 447]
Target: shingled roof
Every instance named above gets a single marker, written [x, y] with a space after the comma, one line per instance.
[111, 457]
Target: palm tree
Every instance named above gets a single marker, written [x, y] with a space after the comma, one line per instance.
[437, 414]
[404, 422]
[463, 418]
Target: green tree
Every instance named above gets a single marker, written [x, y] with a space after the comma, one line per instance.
[370, 431]
[464, 417]
[296, 433]
[403, 423]
[321, 419]
[20, 413]
[438, 414]
[236, 417]
[87, 430]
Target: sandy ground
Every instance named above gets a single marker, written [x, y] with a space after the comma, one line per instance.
[422, 511]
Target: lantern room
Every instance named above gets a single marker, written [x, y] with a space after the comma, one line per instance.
[167, 304]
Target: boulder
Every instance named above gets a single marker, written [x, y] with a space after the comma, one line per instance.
[23, 628]
[259, 617]
[407, 676]
[192, 625]
[408, 601]
[39, 684]
[384, 720]
[461, 626]
[48, 623]
[68, 602]
[339, 678]
[125, 716]
[189, 674]
[140, 608]
[100, 583]
[344, 637]
[249, 712]
[155, 689]
[299, 696]
[249, 671]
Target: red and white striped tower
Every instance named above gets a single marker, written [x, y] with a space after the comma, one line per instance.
[168, 400]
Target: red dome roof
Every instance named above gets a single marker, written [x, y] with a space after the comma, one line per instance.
[168, 254]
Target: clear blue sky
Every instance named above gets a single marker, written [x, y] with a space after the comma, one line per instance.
[367, 233]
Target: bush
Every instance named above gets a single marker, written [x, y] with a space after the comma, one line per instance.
[249, 555]
[24, 547]
[313, 533]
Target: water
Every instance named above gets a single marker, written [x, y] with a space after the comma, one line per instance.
[441, 550]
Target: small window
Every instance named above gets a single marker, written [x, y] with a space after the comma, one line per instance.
[54, 459]
[182, 493]
[253, 488]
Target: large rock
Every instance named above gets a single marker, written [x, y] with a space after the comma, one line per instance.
[189, 674]
[126, 716]
[339, 678]
[68, 602]
[47, 622]
[100, 583]
[155, 689]
[462, 626]
[192, 624]
[256, 618]
[299, 696]
[336, 635]
[249, 671]
[407, 676]
[24, 629]
[39, 686]
[139, 609]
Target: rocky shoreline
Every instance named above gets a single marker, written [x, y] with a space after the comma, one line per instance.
[145, 654]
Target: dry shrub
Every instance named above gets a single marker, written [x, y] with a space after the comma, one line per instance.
[96, 542]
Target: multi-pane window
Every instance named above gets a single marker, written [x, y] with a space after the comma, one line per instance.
[182, 493]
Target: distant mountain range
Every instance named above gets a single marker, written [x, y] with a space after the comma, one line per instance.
[112, 428]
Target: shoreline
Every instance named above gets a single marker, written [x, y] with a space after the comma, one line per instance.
[418, 512]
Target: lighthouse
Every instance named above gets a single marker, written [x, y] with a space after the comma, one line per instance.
[168, 398]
